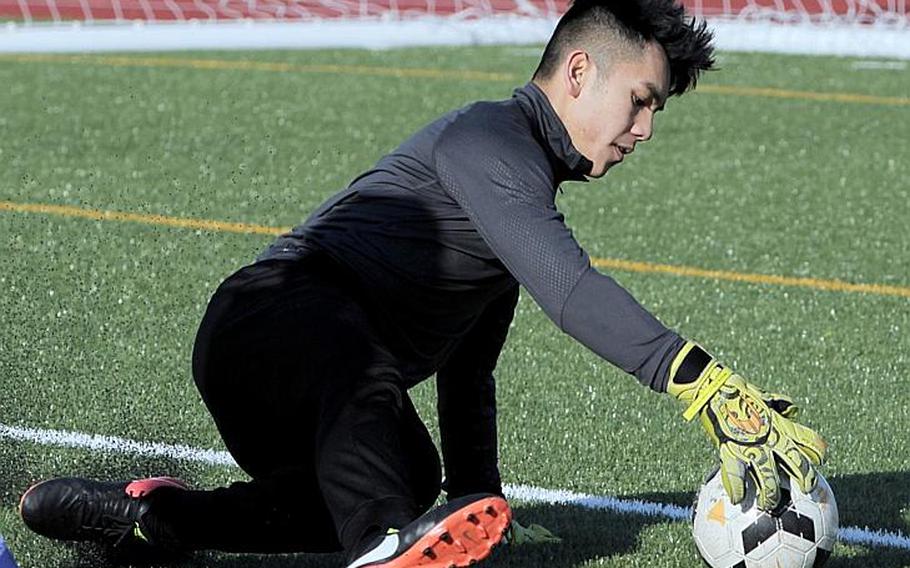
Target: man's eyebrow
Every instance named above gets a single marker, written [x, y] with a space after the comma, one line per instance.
[655, 95]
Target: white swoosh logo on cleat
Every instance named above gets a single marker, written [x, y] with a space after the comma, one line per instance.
[386, 548]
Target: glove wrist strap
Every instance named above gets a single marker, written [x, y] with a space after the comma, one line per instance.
[717, 377]
[695, 376]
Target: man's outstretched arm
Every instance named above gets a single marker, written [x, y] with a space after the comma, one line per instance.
[509, 197]
[507, 190]
[467, 403]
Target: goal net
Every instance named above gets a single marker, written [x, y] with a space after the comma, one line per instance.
[893, 13]
[268, 10]
[846, 27]
[883, 13]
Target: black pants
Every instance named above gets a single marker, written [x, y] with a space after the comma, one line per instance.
[307, 400]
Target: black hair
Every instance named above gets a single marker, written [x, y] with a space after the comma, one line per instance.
[627, 23]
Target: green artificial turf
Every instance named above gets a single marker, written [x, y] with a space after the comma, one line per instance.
[98, 317]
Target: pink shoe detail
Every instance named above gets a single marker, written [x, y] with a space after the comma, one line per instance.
[142, 487]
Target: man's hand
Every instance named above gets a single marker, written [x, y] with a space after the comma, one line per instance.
[753, 430]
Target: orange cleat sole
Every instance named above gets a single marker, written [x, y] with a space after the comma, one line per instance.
[462, 539]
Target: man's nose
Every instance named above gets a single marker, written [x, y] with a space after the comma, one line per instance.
[643, 127]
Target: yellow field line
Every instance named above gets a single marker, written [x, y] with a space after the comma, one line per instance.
[417, 72]
[613, 263]
[239, 65]
[691, 271]
[161, 220]
[803, 95]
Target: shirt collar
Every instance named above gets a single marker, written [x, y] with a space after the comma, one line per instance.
[552, 132]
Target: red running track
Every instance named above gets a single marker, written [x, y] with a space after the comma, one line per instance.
[180, 10]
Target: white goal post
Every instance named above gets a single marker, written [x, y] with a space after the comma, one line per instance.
[879, 28]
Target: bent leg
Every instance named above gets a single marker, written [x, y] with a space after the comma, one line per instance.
[268, 338]
[376, 464]
[294, 377]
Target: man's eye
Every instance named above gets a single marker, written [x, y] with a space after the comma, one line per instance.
[638, 101]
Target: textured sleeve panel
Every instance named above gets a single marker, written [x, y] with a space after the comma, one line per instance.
[502, 180]
[504, 183]
[603, 316]
[467, 403]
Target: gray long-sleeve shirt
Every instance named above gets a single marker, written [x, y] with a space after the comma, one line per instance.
[449, 222]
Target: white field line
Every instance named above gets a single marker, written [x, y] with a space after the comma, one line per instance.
[865, 64]
[114, 444]
[521, 493]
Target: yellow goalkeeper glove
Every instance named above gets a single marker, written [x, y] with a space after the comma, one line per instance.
[753, 430]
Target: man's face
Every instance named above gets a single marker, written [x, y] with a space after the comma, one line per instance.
[611, 114]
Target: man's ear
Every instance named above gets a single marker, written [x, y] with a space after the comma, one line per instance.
[577, 70]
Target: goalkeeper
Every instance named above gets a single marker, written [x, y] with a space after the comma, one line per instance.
[305, 357]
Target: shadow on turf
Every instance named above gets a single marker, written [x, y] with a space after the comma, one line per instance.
[587, 535]
[877, 500]
[874, 499]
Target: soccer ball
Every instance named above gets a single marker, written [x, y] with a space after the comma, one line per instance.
[799, 533]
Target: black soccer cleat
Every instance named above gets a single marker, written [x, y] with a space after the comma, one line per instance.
[115, 514]
[460, 533]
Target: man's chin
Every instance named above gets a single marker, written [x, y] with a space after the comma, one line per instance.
[595, 173]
